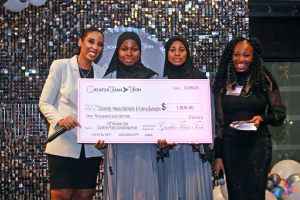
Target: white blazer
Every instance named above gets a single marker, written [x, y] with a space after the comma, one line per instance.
[59, 100]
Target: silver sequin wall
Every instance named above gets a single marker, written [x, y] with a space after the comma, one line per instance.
[31, 39]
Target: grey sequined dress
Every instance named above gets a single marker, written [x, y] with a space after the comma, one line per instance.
[130, 170]
[184, 175]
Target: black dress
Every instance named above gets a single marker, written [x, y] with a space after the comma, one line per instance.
[246, 155]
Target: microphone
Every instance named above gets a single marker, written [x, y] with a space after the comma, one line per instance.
[55, 135]
[221, 178]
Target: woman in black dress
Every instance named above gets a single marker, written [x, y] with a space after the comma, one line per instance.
[245, 156]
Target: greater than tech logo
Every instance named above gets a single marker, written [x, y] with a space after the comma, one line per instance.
[112, 89]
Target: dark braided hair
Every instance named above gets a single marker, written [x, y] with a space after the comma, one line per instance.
[260, 79]
[83, 35]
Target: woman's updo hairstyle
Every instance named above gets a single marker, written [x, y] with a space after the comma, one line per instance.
[83, 36]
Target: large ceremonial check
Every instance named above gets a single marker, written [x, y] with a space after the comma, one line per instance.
[144, 110]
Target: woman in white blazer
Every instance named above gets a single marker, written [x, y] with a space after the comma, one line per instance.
[73, 167]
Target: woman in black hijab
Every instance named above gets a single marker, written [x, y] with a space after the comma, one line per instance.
[134, 69]
[132, 167]
[180, 70]
[184, 174]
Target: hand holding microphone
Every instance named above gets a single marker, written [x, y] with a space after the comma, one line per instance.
[66, 124]
[69, 123]
[220, 171]
[221, 178]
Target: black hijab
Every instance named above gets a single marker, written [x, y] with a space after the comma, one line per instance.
[136, 71]
[187, 69]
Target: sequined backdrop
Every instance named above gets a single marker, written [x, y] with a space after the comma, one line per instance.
[31, 39]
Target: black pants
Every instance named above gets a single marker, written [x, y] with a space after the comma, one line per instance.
[247, 157]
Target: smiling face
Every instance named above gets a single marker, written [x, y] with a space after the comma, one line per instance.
[242, 56]
[129, 53]
[91, 45]
[177, 53]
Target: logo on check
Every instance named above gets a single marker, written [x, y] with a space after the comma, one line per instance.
[112, 89]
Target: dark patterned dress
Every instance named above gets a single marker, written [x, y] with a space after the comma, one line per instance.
[247, 154]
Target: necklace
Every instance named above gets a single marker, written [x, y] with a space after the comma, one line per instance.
[81, 70]
[248, 86]
[244, 94]
[83, 73]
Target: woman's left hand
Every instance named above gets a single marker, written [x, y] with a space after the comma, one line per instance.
[163, 143]
[256, 120]
[100, 145]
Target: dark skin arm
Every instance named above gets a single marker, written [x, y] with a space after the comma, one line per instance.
[69, 123]
[256, 120]
[163, 143]
[100, 145]
[219, 165]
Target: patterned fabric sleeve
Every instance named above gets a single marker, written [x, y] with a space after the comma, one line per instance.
[219, 124]
[276, 111]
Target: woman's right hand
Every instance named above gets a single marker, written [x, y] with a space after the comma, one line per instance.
[163, 143]
[69, 123]
[219, 165]
[100, 145]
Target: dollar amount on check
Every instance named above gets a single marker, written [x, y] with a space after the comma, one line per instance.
[143, 111]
